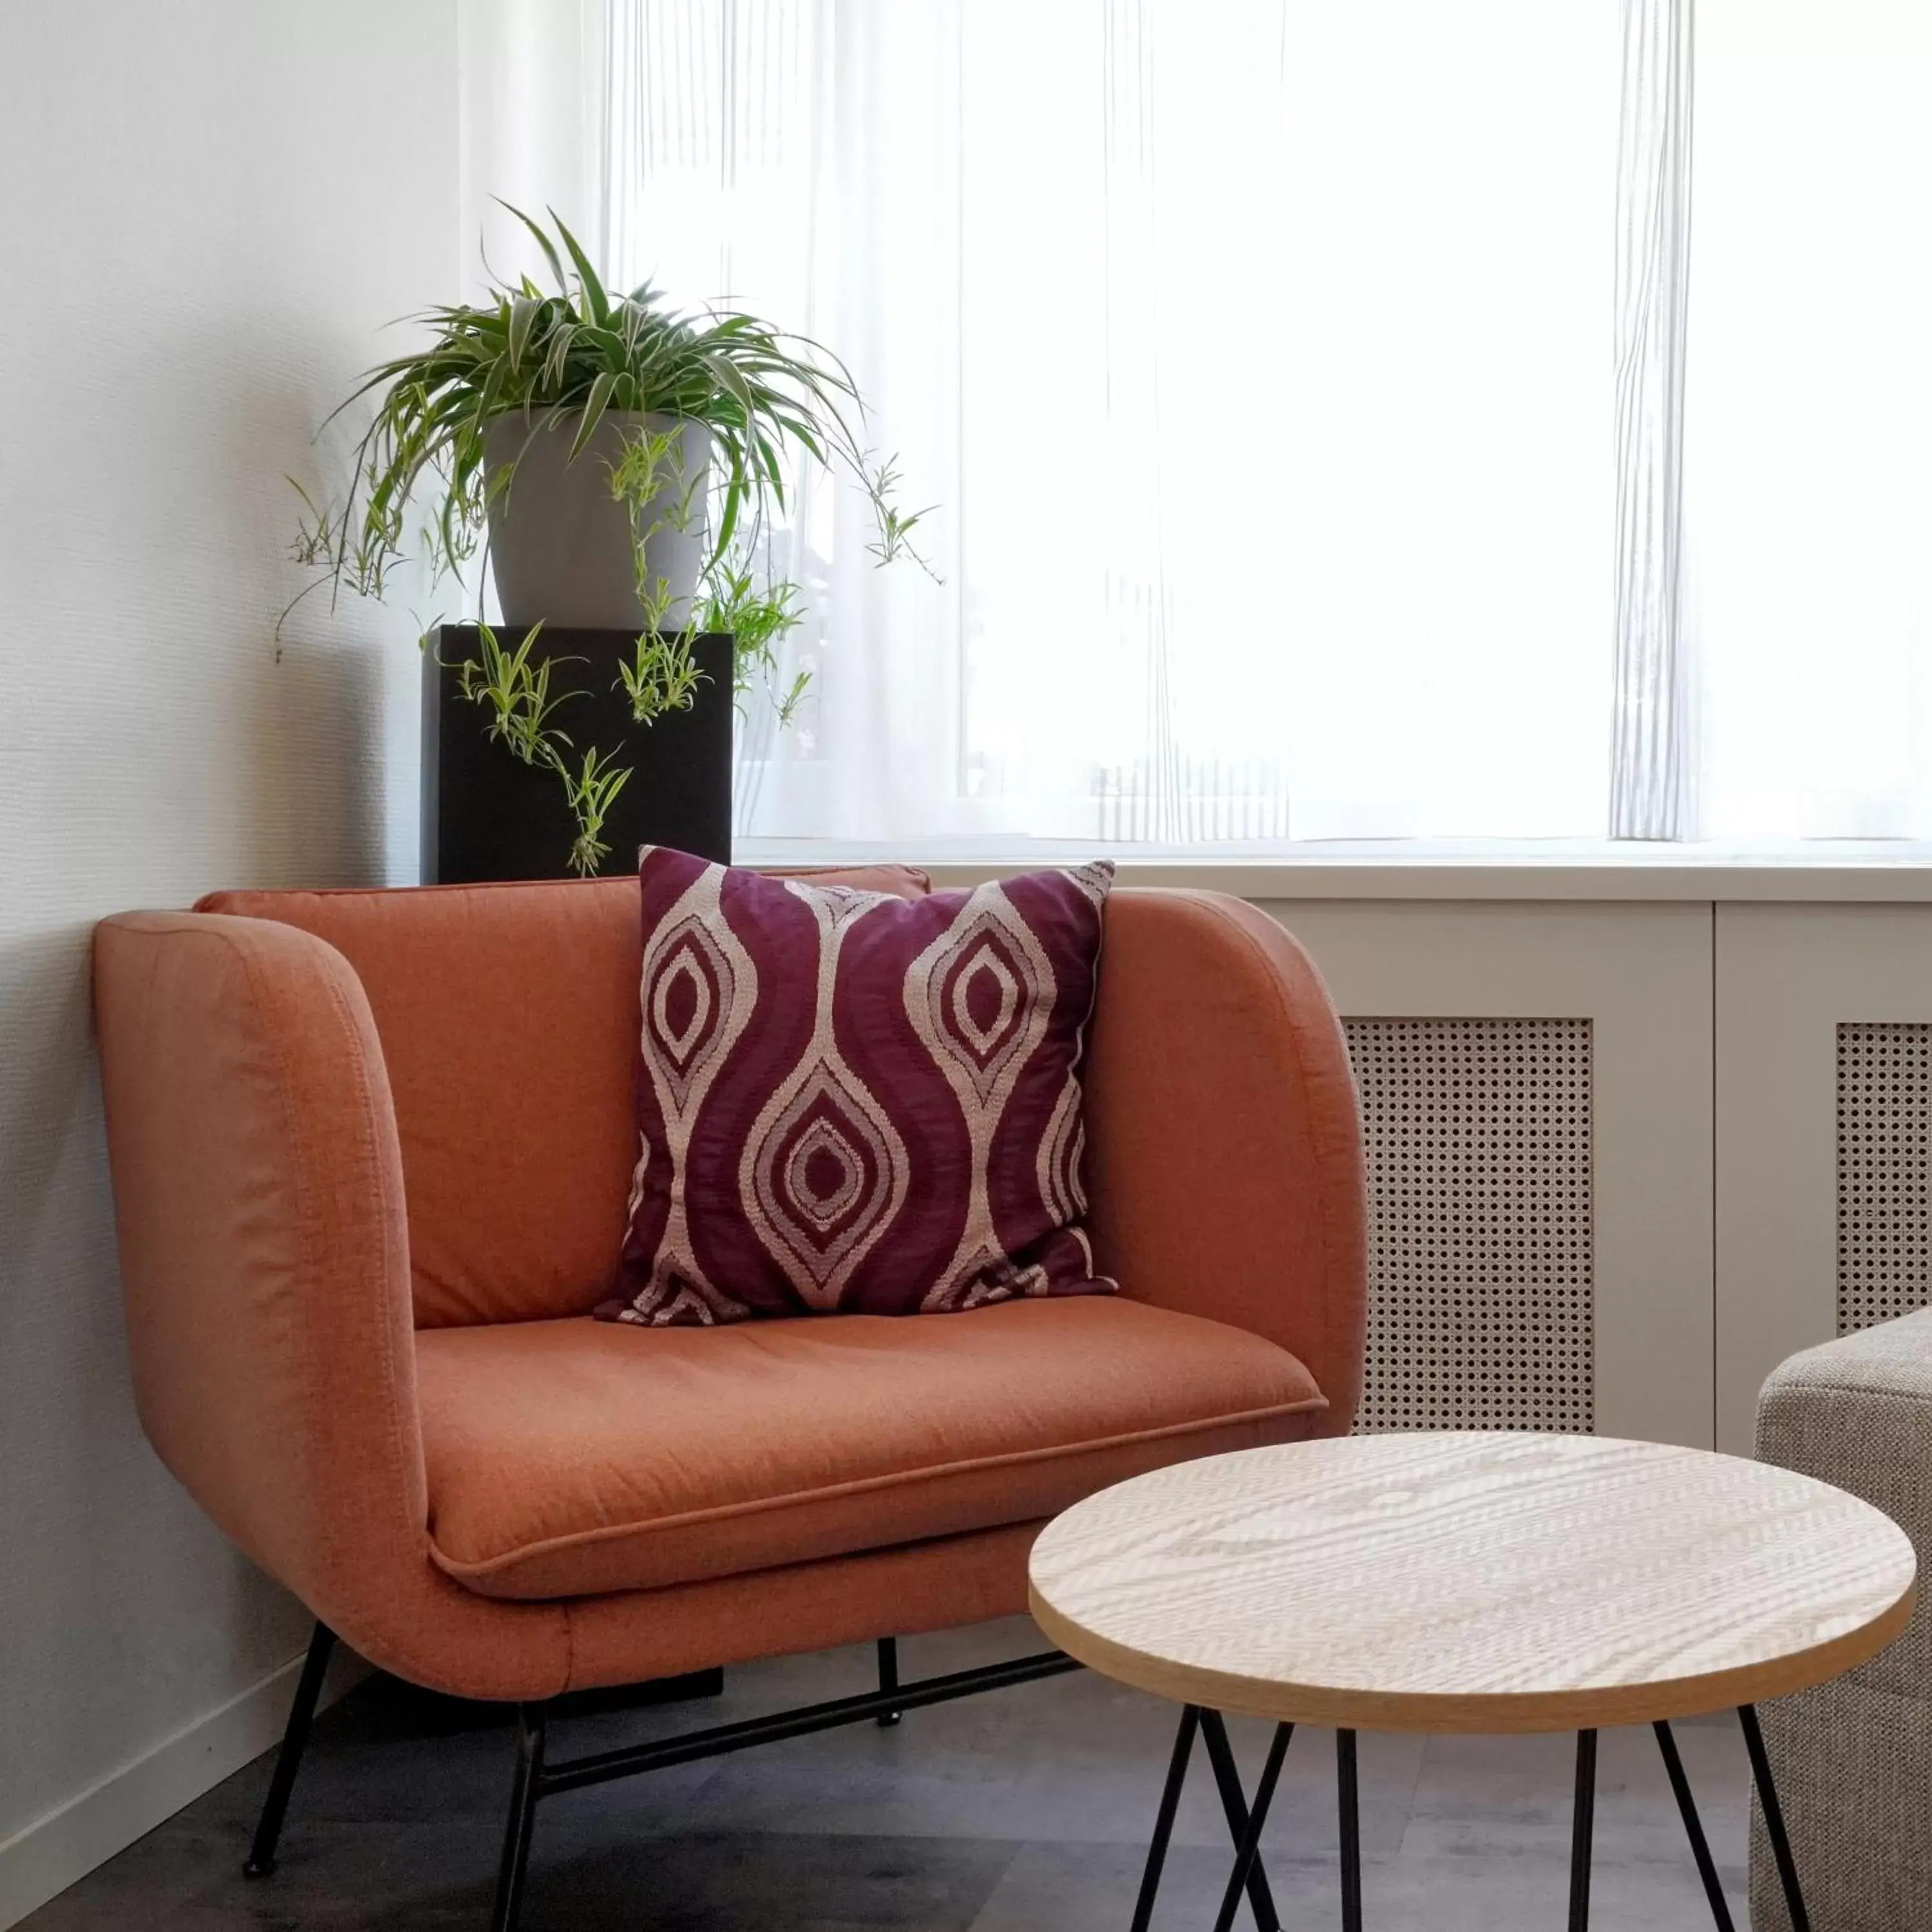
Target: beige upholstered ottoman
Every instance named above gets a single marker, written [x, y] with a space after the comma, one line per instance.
[1854, 1757]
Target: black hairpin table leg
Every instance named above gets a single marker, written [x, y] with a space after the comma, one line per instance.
[1774, 1820]
[1163, 1822]
[1247, 1859]
[1582, 1831]
[1687, 1806]
[1244, 1822]
[1348, 1801]
[1228, 1781]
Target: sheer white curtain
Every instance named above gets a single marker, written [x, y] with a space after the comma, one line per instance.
[1808, 513]
[1357, 421]
[1650, 777]
[531, 82]
[1255, 355]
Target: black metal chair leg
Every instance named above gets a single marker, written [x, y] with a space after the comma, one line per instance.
[261, 1859]
[889, 1678]
[1248, 1859]
[1582, 1829]
[523, 1793]
[1687, 1805]
[1347, 1799]
[1774, 1819]
[1163, 1822]
[1234, 1802]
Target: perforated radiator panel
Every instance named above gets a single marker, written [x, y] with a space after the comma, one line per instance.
[1885, 1188]
[1481, 1301]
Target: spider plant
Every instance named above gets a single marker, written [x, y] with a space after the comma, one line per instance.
[580, 351]
[766, 396]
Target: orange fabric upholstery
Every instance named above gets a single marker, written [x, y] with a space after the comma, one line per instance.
[899, 1591]
[509, 1018]
[265, 1260]
[1224, 1147]
[568, 1458]
[282, 1133]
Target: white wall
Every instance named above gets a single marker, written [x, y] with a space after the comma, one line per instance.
[206, 209]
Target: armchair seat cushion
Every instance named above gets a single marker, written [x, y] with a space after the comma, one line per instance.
[572, 1458]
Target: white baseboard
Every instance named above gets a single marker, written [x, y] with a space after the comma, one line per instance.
[69, 1841]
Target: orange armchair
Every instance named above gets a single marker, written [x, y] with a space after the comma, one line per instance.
[370, 1153]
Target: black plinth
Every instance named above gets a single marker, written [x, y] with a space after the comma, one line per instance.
[487, 815]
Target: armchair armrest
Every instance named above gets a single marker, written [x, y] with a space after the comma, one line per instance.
[1854, 1757]
[1857, 1412]
[1225, 1151]
[258, 1195]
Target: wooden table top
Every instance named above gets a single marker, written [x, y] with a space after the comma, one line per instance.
[1471, 1582]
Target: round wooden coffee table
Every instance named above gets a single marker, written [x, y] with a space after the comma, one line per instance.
[1474, 1582]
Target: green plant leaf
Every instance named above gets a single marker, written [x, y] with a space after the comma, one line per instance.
[593, 411]
[543, 242]
[523, 313]
[595, 299]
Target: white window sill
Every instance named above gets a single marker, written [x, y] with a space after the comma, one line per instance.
[1845, 871]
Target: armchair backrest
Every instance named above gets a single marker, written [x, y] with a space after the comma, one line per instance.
[508, 1017]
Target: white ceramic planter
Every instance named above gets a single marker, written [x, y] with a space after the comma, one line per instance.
[560, 543]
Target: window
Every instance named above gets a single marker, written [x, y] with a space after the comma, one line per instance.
[1332, 433]
[1808, 469]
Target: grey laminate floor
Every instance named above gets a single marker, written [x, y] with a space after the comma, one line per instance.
[1023, 1810]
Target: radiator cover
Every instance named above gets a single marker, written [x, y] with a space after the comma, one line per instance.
[1481, 1286]
[1885, 1172]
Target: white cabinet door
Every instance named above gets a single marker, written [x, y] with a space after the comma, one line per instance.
[1824, 1046]
[1537, 1085]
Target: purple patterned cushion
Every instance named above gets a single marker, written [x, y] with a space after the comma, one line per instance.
[857, 1102]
